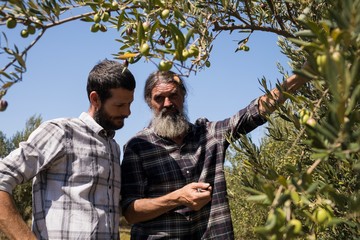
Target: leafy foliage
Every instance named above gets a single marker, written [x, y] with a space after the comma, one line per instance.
[245, 214]
[277, 178]
[22, 193]
[169, 33]
[4, 145]
[307, 174]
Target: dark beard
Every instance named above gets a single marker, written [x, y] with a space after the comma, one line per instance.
[170, 125]
[106, 121]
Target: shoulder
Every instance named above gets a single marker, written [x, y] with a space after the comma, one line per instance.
[63, 122]
[144, 135]
[201, 121]
[60, 125]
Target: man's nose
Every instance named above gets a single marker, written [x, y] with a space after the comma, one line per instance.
[167, 102]
[127, 112]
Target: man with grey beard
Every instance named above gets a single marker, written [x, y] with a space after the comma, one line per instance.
[173, 183]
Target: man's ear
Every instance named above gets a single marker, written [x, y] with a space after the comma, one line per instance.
[95, 99]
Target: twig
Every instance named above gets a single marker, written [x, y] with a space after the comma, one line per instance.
[44, 28]
[313, 166]
[253, 28]
[26, 49]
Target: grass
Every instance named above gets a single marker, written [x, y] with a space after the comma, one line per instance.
[124, 231]
[125, 235]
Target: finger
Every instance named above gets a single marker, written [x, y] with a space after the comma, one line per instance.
[204, 188]
[202, 185]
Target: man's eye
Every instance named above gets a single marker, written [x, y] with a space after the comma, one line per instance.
[173, 96]
[159, 99]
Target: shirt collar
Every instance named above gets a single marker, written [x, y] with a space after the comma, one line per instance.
[93, 125]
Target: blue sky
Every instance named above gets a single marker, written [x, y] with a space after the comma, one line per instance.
[58, 66]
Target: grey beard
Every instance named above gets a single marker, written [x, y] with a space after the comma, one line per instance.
[170, 126]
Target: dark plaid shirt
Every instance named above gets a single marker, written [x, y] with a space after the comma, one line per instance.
[154, 166]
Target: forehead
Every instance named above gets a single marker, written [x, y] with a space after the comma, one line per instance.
[164, 88]
[122, 94]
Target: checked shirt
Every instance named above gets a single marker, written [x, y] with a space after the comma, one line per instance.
[154, 166]
[75, 167]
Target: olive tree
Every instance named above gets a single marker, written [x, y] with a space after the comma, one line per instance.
[311, 187]
[319, 191]
[171, 34]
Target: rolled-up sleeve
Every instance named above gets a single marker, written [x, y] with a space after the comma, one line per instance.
[23, 163]
[253, 113]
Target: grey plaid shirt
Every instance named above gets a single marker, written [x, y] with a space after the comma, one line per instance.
[154, 166]
[75, 166]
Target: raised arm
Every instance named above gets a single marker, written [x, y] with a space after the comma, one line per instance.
[267, 103]
[11, 222]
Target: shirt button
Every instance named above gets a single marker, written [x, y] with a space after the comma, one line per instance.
[187, 172]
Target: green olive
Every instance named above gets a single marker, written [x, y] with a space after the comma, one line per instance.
[296, 225]
[11, 23]
[114, 5]
[193, 51]
[321, 62]
[145, 49]
[185, 53]
[146, 25]
[322, 216]
[31, 29]
[165, 14]
[165, 65]
[97, 18]
[24, 33]
[105, 17]
[95, 27]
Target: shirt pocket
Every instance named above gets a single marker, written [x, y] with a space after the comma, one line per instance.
[80, 220]
[88, 162]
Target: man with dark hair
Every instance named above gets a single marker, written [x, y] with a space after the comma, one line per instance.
[173, 183]
[75, 166]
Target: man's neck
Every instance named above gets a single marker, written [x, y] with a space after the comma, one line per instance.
[179, 140]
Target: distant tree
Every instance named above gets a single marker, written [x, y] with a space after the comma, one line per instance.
[4, 145]
[246, 215]
[253, 166]
[22, 193]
